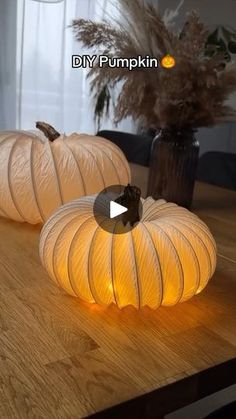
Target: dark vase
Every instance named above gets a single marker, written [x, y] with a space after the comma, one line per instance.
[173, 166]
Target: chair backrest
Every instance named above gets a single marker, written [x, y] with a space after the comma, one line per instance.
[136, 148]
[218, 168]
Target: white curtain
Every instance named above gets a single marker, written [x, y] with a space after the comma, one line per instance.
[7, 64]
[48, 88]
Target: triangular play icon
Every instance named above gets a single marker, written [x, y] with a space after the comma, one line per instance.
[116, 209]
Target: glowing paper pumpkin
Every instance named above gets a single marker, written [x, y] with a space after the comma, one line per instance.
[167, 258]
[39, 174]
[168, 61]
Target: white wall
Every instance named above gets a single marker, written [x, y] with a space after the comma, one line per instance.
[211, 11]
[218, 138]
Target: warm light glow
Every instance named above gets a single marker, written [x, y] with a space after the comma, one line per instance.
[167, 258]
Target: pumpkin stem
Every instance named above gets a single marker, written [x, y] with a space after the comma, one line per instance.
[48, 130]
[131, 200]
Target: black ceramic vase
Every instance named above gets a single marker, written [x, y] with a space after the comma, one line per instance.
[173, 166]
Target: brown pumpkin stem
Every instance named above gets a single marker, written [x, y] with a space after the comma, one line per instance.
[48, 131]
[131, 200]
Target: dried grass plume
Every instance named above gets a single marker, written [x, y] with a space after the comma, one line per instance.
[191, 94]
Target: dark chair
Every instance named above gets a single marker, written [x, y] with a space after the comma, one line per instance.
[214, 167]
[225, 412]
[218, 168]
[136, 148]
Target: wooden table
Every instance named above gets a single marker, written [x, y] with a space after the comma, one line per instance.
[61, 358]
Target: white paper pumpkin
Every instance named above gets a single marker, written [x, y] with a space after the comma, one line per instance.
[39, 174]
[167, 258]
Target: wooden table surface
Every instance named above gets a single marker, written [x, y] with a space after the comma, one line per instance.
[62, 358]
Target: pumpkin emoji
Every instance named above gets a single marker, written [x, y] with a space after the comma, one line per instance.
[168, 257]
[168, 61]
[39, 173]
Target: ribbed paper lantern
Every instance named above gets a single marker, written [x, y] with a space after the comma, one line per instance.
[167, 258]
[40, 173]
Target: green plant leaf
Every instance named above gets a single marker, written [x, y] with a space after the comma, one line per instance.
[232, 47]
[102, 104]
[226, 33]
[213, 37]
[221, 45]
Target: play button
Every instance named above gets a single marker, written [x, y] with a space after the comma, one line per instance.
[118, 208]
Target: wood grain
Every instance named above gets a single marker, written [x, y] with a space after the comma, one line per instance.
[62, 358]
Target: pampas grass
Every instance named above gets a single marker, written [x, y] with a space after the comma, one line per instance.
[191, 94]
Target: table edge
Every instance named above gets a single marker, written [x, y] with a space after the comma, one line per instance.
[175, 395]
